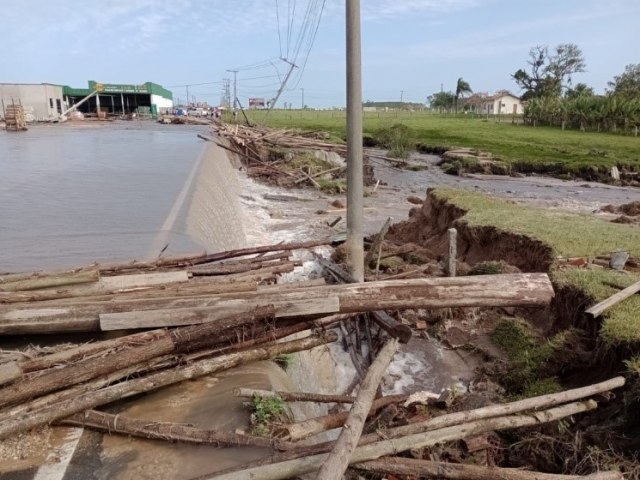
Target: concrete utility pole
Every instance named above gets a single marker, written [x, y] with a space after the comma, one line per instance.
[235, 84]
[355, 219]
[401, 95]
[302, 107]
[284, 83]
[187, 106]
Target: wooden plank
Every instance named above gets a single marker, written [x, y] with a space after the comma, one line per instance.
[50, 281]
[191, 316]
[601, 307]
[122, 282]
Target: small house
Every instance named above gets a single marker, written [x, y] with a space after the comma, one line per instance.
[502, 103]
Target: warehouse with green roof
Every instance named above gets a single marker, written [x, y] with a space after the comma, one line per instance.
[119, 99]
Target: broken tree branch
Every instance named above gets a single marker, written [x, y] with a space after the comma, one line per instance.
[338, 461]
[51, 412]
[294, 396]
[457, 471]
[300, 466]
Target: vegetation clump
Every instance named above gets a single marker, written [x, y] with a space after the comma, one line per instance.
[488, 268]
[265, 412]
[527, 358]
[396, 139]
[284, 360]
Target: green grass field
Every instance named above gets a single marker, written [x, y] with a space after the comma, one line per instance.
[569, 235]
[527, 149]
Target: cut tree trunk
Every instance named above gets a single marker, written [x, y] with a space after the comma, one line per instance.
[218, 313]
[50, 281]
[301, 466]
[338, 461]
[52, 412]
[294, 396]
[214, 257]
[525, 289]
[458, 418]
[124, 352]
[169, 432]
[457, 471]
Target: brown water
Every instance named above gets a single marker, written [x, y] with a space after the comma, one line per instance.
[73, 194]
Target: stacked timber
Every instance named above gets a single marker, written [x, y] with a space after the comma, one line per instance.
[182, 318]
[14, 118]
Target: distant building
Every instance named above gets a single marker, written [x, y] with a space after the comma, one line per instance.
[116, 99]
[502, 103]
[257, 103]
[41, 101]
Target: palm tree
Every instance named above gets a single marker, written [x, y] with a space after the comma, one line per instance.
[462, 88]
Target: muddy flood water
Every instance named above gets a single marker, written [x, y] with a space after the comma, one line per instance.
[71, 194]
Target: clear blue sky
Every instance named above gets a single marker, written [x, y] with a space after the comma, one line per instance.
[408, 45]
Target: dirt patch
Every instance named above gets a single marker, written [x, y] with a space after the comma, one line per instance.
[428, 225]
[630, 209]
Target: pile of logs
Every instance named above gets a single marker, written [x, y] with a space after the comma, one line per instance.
[253, 143]
[202, 314]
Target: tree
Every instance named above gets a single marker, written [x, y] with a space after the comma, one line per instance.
[580, 90]
[462, 88]
[442, 100]
[627, 84]
[549, 70]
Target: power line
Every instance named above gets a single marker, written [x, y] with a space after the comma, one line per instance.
[278, 20]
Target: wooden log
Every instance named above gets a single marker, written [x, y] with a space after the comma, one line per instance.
[338, 460]
[157, 344]
[459, 418]
[120, 282]
[50, 281]
[262, 249]
[301, 466]
[124, 352]
[95, 294]
[614, 299]
[9, 372]
[49, 413]
[223, 269]
[533, 403]
[392, 326]
[191, 316]
[456, 471]
[385, 321]
[524, 289]
[452, 259]
[294, 396]
[165, 431]
[306, 428]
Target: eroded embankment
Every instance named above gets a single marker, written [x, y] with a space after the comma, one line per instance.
[428, 226]
[555, 348]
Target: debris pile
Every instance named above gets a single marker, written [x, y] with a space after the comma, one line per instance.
[290, 158]
[203, 314]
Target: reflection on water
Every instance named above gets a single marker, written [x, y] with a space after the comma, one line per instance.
[72, 194]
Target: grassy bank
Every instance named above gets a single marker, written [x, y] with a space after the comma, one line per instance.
[542, 149]
[569, 235]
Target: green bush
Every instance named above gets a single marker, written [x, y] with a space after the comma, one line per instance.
[396, 139]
